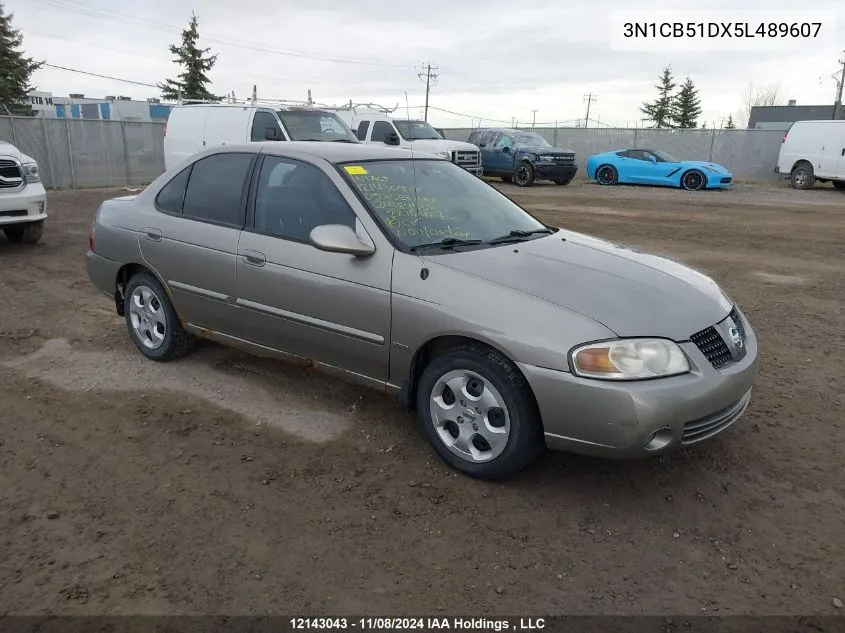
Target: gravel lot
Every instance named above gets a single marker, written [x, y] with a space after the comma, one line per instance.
[229, 484]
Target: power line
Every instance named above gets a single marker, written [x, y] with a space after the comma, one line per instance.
[84, 72]
[115, 16]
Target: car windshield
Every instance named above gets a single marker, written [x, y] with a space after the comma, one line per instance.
[425, 202]
[663, 157]
[532, 140]
[415, 130]
[316, 125]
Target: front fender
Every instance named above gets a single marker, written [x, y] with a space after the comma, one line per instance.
[530, 157]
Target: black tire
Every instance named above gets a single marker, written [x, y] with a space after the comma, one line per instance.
[839, 184]
[507, 178]
[802, 176]
[523, 176]
[607, 175]
[177, 342]
[525, 440]
[563, 181]
[28, 233]
[693, 180]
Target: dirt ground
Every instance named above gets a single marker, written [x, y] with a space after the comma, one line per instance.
[231, 485]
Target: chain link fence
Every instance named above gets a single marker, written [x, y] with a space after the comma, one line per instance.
[78, 153]
[751, 155]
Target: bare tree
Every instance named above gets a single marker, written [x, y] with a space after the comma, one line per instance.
[756, 95]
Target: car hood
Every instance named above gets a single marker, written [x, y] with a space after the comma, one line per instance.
[630, 292]
[432, 146]
[7, 149]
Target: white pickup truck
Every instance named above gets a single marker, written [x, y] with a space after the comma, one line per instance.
[23, 201]
[379, 127]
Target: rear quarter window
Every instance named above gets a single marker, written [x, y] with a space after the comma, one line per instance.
[172, 195]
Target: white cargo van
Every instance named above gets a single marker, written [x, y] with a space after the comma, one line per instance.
[373, 125]
[813, 151]
[191, 128]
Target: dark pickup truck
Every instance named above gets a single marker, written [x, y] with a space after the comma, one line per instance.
[522, 156]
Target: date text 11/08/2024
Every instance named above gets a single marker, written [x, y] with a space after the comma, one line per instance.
[418, 624]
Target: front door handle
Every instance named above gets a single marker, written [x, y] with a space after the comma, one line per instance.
[843, 152]
[254, 258]
[153, 234]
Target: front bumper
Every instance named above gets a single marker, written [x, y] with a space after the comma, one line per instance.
[554, 172]
[27, 205]
[619, 419]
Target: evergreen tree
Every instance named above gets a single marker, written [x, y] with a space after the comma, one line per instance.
[730, 125]
[15, 69]
[686, 106]
[197, 62]
[661, 110]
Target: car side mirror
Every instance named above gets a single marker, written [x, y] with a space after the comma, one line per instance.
[391, 138]
[652, 159]
[273, 134]
[506, 149]
[339, 238]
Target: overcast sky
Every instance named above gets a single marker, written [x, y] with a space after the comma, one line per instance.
[497, 59]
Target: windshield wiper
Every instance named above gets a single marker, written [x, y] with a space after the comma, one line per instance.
[517, 235]
[344, 140]
[447, 243]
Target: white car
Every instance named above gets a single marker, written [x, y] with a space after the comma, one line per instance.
[23, 200]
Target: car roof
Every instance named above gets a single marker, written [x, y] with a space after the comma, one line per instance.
[327, 150]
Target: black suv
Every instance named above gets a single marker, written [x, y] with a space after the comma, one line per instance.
[523, 156]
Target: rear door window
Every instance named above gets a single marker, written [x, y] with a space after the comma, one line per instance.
[216, 188]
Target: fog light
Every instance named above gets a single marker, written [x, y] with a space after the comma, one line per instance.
[659, 439]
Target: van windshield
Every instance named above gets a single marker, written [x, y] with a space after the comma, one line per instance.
[316, 125]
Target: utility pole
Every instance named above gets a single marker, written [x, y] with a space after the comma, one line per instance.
[589, 98]
[533, 118]
[838, 103]
[513, 122]
[430, 79]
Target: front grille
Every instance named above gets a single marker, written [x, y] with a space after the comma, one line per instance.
[13, 214]
[714, 423]
[10, 174]
[564, 159]
[465, 159]
[714, 348]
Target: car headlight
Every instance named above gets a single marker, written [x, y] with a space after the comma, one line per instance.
[30, 172]
[444, 154]
[629, 359]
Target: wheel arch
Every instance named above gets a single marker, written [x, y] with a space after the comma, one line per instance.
[439, 345]
[799, 162]
[124, 274]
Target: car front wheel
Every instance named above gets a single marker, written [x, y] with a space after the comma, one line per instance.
[524, 174]
[693, 180]
[28, 233]
[152, 322]
[478, 412]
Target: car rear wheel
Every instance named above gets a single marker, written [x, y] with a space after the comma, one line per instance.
[478, 412]
[802, 176]
[607, 175]
[693, 180]
[152, 322]
[524, 174]
[28, 233]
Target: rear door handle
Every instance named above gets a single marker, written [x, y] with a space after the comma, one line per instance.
[254, 258]
[153, 234]
[843, 152]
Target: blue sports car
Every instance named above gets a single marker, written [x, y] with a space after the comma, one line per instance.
[651, 167]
